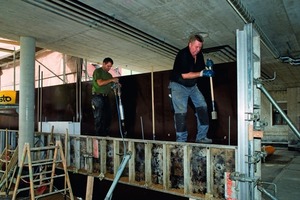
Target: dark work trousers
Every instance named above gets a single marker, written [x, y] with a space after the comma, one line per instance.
[102, 114]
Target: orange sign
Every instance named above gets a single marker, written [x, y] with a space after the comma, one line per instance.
[8, 97]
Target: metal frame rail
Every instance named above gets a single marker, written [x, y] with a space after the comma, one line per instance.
[249, 139]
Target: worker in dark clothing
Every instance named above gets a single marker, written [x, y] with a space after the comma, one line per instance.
[101, 87]
[188, 66]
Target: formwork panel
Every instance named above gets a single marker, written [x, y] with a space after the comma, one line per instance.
[157, 164]
[123, 150]
[140, 162]
[223, 160]
[72, 152]
[176, 168]
[198, 170]
[110, 157]
[185, 169]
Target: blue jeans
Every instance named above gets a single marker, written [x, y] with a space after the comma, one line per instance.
[180, 95]
[102, 114]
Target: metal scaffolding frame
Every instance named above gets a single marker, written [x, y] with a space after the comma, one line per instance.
[248, 170]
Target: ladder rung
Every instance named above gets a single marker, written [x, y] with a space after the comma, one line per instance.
[59, 176]
[48, 178]
[42, 173]
[35, 186]
[43, 162]
[46, 161]
[40, 185]
[37, 174]
[50, 193]
[43, 148]
[40, 161]
[23, 189]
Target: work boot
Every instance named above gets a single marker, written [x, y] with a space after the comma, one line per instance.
[205, 140]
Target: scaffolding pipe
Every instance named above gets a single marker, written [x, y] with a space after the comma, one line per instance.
[118, 175]
[50, 71]
[14, 63]
[287, 119]
[79, 63]
[263, 190]
[152, 101]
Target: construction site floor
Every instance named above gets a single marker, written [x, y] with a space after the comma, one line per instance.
[283, 169]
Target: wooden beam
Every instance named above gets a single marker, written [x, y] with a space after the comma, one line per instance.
[89, 188]
[6, 50]
[166, 166]
[148, 170]
[131, 163]
[9, 42]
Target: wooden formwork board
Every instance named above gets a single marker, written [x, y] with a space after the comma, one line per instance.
[185, 169]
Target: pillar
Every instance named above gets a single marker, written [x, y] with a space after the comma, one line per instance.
[26, 95]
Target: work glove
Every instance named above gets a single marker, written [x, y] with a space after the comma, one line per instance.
[208, 72]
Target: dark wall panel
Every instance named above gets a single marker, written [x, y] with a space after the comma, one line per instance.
[59, 104]
[225, 93]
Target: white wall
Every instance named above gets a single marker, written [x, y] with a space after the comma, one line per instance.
[281, 133]
[273, 133]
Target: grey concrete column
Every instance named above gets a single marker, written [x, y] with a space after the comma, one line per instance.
[26, 97]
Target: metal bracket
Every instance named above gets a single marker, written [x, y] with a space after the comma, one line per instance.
[257, 123]
[236, 176]
[252, 116]
[256, 157]
[260, 187]
[101, 176]
[267, 79]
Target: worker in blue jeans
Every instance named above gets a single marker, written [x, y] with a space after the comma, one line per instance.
[188, 66]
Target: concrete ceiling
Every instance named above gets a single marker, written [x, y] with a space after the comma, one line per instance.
[145, 35]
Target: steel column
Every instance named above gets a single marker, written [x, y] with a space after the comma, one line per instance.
[248, 68]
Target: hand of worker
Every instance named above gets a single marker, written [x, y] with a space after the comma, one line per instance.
[208, 73]
[115, 80]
